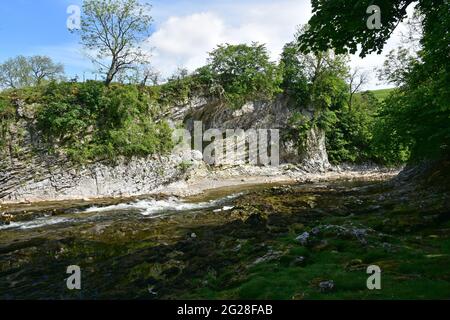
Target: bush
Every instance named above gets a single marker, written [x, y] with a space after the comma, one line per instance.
[178, 89]
[241, 73]
[89, 121]
[362, 133]
[349, 138]
[389, 146]
[7, 115]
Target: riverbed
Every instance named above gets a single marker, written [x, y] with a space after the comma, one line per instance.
[238, 242]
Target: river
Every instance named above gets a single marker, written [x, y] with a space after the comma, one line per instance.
[228, 243]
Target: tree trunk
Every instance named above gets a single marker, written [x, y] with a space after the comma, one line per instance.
[109, 77]
[111, 72]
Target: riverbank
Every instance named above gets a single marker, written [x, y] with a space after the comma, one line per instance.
[201, 181]
[200, 178]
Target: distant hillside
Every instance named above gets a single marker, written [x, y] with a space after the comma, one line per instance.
[382, 94]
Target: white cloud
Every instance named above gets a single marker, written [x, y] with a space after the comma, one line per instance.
[184, 39]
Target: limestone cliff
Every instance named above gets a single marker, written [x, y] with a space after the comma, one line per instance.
[261, 115]
[29, 173]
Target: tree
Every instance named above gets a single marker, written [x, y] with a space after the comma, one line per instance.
[295, 82]
[142, 75]
[114, 30]
[419, 110]
[15, 73]
[316, 83]
[149, 74]
[341, 25]
[356, 81]
[318, 76]
[396, 66]
[29, 71]
[43, 68]
[243, 73]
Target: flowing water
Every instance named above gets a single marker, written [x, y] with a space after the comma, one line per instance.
[153, 248]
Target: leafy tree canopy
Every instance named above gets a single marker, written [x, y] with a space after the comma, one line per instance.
[341, 24]
[242, 73]
[418, 113]
[23, 71]
[114, 30]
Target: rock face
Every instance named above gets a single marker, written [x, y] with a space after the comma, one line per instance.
[261, 115]
[38, 176]
[52, 180]
[315, 156]
[29, 173]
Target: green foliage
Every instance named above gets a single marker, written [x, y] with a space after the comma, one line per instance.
[299, 126]
[419, 111]
[242, 73]
[315, 80]
[388, 144]
[185, 165]
[7, 115]
[316, 85]
[295, 82]
[341, 25]
[15, 73]
[178, 89]
[20, 72]
[416, 116]
[361, 134]
[90, 121]
[114, 30]
[6, 109]
[349, 139]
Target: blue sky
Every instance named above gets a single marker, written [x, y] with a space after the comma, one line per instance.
[182, 34]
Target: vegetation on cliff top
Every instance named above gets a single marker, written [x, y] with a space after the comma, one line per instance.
[416, 115]
[91, 121]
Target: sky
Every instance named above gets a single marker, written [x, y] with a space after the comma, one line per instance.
[182, 34]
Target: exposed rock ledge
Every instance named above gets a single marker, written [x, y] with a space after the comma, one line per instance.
[181, 174]
[201, 180]
[38, 176]
[44, 181]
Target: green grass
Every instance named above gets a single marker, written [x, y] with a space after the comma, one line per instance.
[382, 94]
[412, 250]
[407, 273]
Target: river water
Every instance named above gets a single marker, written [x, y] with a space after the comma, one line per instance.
[162, 247]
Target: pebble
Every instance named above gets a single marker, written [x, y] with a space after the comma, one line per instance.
[299, 260]
[303, 238]
[326, 285]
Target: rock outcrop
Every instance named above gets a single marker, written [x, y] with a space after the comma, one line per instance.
[32, 175]
[49, 179]
[260, 115]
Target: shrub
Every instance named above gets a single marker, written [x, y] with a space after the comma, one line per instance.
[241, 73]
[89, 121]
